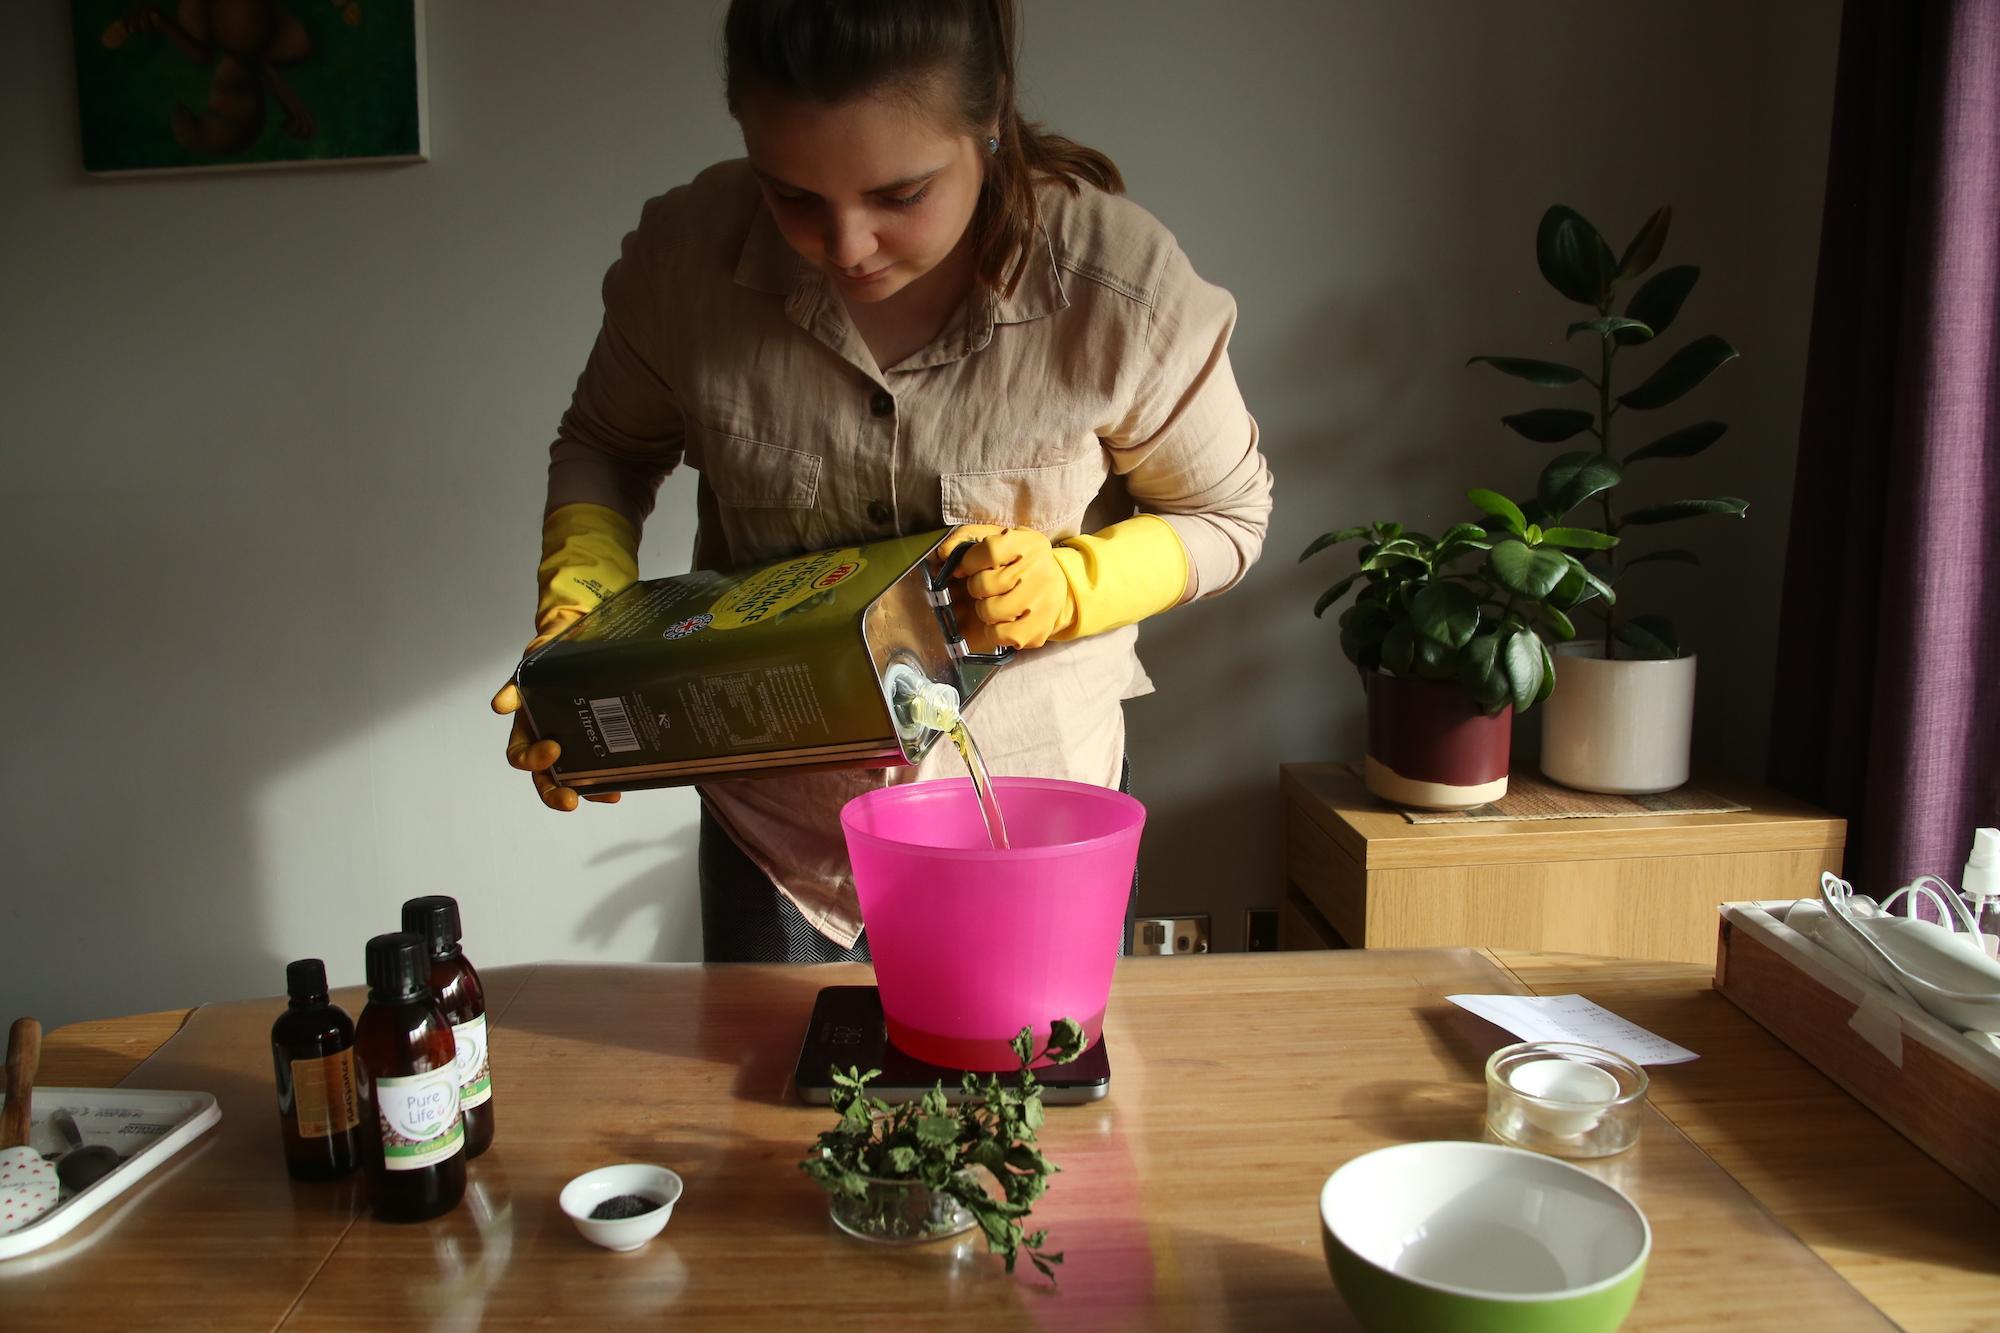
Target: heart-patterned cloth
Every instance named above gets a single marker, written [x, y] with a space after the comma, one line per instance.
[28, 1188]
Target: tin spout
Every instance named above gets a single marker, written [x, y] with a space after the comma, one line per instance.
[921, 704]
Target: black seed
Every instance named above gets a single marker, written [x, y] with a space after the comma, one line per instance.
[623, 1205]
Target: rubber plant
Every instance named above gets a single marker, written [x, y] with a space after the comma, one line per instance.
[1578, 263]
[1426, 609]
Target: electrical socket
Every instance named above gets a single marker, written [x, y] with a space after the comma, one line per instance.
[1170, 934]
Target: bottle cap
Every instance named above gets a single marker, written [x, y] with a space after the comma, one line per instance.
[398, 966]
[435, 918]
[306, 979]
[1982, 868]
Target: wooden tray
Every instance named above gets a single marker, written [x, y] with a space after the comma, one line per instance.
[1928, 1080]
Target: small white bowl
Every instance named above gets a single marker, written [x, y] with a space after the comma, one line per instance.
[581, 1197]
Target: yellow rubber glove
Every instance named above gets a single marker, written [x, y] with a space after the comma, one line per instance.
[1028, 591]
[588, 553]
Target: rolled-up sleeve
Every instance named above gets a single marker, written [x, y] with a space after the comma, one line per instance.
[1187, 445]
[623, 431]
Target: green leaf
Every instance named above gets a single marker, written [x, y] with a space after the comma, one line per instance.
[1479, 671]
[1500, 507]
[1066, 1041]
[1393, 552]
[1558, 623]
[1679, 509]
[1609, 325]
[1522, 661]
[1334, 594]
[1646, 246]
[1650, 636]
[902, 1160]
[1579, 539]
[1680, 373]
[1446, 612]
[1326, 539]
[1658, 300]
[1674, 555]
[1526, 571]
[1573, 257]
[1548, 672]
[1549, 425]
[937, 1131]
[1459, 532]
[1434, 660]
[1548, 374]
[1683, 443]
[1593, 585]
[1570, 479]
[1399, 648]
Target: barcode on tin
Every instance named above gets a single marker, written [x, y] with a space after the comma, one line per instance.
[615, 723]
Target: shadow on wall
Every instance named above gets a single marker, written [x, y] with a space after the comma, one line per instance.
[200, 743]
[1251, 680]
[676, 917]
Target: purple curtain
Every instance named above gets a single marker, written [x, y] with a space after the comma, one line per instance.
[1887, 708]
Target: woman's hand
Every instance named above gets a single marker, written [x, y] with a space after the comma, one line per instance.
[534, 756]
[1018, 588]
[1028, 590]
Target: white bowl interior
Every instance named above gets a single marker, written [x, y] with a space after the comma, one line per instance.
[1484, 1220]
[582, 1195]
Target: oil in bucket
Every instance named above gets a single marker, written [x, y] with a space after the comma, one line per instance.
[822, 661]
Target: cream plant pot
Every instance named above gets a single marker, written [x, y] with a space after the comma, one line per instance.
[1622, 726]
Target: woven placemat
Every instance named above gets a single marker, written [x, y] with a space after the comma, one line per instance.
[1530, 796]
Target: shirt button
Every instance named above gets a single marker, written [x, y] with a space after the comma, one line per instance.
[881, 404]
[878, 512]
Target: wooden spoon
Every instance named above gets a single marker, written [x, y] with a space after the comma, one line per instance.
[28, 1185]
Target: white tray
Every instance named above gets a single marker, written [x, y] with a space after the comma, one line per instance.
[145, 1127]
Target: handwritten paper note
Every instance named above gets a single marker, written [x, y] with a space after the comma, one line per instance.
[1573, 1018]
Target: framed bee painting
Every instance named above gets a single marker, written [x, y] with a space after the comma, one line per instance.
[201, 85]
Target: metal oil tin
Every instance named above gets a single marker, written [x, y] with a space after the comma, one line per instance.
[792, 667]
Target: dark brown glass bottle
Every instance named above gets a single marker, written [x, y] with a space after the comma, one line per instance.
[456, 986]
[319, 1110]
[413, 1136]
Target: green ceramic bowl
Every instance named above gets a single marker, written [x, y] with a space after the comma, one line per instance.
[1479, 1238]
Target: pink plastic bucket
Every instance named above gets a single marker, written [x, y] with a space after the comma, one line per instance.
[972, 944]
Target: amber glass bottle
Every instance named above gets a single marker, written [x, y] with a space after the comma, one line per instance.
[312, 1045]
[413, 1134]
[456, 986]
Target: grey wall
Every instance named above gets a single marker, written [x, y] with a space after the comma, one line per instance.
[271, 448]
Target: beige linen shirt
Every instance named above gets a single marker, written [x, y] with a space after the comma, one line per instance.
[1099, 388]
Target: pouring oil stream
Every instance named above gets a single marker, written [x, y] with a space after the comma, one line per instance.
[935, 705]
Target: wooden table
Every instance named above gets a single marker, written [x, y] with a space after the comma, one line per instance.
[1361, 875]
[1187, 1198]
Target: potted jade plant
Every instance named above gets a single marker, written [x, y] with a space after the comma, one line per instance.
[1452, 637]
[921, 1170]
[1624, 720]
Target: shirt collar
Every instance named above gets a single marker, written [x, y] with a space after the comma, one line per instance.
[769, 264]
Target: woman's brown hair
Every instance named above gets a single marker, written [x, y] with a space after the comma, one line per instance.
[834, 50]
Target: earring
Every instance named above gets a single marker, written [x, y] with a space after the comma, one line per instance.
[992, 145]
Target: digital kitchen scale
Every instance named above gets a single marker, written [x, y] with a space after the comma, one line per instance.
[846, 1030]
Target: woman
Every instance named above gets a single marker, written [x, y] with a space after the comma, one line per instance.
[905, 309]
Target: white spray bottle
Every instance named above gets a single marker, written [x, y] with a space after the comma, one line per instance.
[1981, 887]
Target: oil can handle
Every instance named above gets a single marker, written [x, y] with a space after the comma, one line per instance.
[939, 582]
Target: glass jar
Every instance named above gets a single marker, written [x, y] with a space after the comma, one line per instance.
[1564, 1098]
[902, 1212]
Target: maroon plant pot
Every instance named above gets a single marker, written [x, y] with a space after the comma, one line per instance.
[1430, 746]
